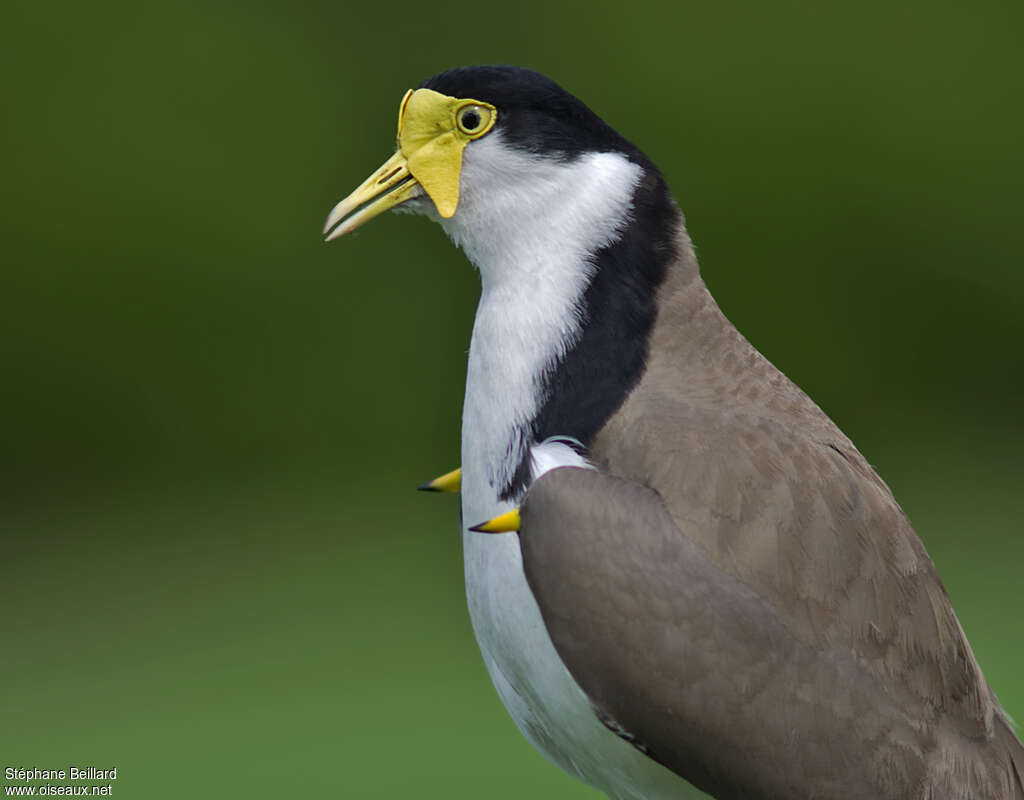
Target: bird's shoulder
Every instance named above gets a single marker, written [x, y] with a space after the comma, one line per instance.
[695, 665]
[759, 478]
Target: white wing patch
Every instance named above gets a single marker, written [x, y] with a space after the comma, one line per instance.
[554, 452]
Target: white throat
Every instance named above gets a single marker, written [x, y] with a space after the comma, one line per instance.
[531, 225]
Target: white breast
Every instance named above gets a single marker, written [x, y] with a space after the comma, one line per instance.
[545, 701]
[529, 225]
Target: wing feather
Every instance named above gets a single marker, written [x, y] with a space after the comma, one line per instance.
[856, 684]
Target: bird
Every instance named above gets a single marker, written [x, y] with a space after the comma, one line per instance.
[682, 573]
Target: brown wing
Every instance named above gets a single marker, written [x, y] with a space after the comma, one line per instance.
[747, 692]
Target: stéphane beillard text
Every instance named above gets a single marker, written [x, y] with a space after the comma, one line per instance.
[69, 774]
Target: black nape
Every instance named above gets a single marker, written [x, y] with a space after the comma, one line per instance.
[535, 114]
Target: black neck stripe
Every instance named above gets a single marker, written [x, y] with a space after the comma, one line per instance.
[593, 379]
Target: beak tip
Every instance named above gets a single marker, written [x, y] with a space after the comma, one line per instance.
[337, 233]
[389, 186]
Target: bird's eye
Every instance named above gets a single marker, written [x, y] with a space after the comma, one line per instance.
[473, 120]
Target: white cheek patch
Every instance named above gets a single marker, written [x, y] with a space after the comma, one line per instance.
[531, 225]
[520, 212]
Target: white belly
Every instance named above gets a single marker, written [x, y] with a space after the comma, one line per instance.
[546, 703]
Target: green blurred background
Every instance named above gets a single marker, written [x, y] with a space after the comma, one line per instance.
[216, 575]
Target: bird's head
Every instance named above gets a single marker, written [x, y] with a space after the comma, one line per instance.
[573, 232]
[477, 144]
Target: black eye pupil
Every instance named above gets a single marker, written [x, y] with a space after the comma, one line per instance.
[470, 120]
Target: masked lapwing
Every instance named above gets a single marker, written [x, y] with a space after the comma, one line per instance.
[709, 583]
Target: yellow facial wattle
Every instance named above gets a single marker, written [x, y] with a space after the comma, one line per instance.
[433, 131]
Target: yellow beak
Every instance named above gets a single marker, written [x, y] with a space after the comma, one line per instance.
[433, 130]
[504, 523]
[386, 188]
